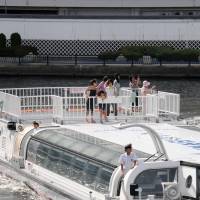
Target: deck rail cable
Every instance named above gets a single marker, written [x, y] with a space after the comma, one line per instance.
[151, 156]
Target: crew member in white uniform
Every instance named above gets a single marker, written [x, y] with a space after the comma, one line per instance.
[127, 160]
[36, 126]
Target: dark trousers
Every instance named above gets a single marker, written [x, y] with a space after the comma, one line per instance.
[114, 105]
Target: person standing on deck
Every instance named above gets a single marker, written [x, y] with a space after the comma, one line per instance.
[102, 106]
[102, 85]
[116, 86]
[91, 93]
[134, 86]
[145, 88]
[110, 93]
[127, 160]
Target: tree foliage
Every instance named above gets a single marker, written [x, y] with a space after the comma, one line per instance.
[2, 40]
[108, 55]
[132, 53]
[15, 39]
[160, 53]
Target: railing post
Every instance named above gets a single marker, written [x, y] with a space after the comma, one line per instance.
[75, 60]
[19, 60]
[47, 60]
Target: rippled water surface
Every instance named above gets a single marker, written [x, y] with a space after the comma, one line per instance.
[190, 106]
[11, 189]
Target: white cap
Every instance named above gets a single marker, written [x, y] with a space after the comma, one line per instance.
[146, 83]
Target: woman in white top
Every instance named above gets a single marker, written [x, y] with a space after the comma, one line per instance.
[110, 93]
[116, 85]
[110, 89]
[145, 88]
[134, 86]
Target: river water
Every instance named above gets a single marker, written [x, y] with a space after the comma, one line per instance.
[11, 189]
[189, 89]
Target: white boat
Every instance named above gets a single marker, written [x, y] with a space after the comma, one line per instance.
[77, 160]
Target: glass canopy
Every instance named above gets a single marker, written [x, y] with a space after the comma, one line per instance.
[92, 147]
[81, 158]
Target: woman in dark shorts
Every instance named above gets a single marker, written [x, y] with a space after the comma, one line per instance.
[102, 106]
[134, 86]
[91, 92]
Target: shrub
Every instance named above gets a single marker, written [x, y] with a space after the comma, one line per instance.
[108, 55]
[30, 49]
[189, 55]
[15, 39]
[7, 52]
[17, 51]
[2, 41]
[20, 52]
[132, 53]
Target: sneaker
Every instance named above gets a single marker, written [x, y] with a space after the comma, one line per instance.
[101, 121]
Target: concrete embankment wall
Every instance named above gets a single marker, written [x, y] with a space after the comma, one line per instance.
[99, 70]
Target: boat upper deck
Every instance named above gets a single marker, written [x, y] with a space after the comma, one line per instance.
[70, 104]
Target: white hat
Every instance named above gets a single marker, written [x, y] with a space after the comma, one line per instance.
[146, 83]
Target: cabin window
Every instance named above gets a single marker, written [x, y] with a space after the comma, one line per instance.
[103, 179]
[80, 169]
[151, 180]
[64, 168]
[42, 154]
[32, 151]
[53, 159]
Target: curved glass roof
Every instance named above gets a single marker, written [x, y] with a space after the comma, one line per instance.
[86, 145]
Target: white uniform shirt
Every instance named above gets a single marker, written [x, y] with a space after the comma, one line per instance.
[116, 86]
[127, 160]
[35, 130]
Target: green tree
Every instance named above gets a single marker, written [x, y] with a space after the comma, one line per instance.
[20, 52]
[132, 53]
[189, 55]
[15, 39]
[108, 55]
[2, 41]
[163, 54]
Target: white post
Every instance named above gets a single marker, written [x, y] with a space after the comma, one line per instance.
[139, 190]
[151, 197]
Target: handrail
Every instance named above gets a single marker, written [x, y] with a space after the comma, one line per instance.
[154, 136]
[159, 157]
[71, 102]
[151, 156]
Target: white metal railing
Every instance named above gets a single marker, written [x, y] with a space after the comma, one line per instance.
[57, 107]
[169, 103]
[10, 104]
[39, 91]
[36, 106]
[70, 103]
[121, 107]
[124, 91]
